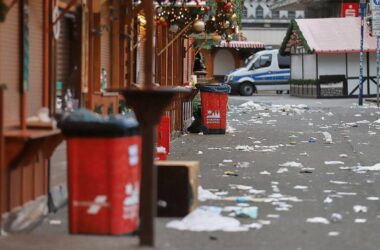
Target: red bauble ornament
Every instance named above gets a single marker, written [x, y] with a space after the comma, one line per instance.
[227, 6]
[165, 24]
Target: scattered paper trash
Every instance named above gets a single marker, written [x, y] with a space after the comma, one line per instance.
[328, 138]
[265, 173]
[320, 220]
[360, 220]
[301, 187]
[375, 167]
[55, 222]
[360, 209]
[373, 198]
[335, 217]
[334, 163]
[334, 233]
[200, 152]
[230, 173]
[244, 212]
[204, 195]
[209, 220]
[282, 170]
[328, 200]
[292, 164]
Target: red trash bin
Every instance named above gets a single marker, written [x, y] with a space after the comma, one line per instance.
[214, 99]
[163, 133]
[103, 179]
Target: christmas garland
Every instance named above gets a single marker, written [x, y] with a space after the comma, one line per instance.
[3, 11]
[216, 17]
[294, 31]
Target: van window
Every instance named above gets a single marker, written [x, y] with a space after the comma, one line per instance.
[263, 62]
[283, 62]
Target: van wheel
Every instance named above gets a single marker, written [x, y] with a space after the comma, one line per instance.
[247, 89]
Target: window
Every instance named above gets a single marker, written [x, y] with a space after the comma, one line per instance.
[259, 12]
[263, 62]
[283, 62]
[275, 14]
[291, 14]
[245, 12]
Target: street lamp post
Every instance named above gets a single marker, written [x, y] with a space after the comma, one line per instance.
[363, 4]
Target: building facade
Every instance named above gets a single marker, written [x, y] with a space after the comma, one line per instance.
[261, 23]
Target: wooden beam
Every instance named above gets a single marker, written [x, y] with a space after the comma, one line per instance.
[63, 13]
[22, 48]
[122, 43]
[176, 37]
[115, 47]
[3, 186]
[96, 51]
[46, 53]
[90, 78]
[129, 43]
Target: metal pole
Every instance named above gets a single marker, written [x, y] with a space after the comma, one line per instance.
[378, 68]
[362, 13]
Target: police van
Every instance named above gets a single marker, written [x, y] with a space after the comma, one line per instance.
[265, 70]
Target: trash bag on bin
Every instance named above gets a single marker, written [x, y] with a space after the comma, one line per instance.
[84, 123]
[219, 88]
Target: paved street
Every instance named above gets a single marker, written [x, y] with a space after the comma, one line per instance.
[316, 182]
[290, 230]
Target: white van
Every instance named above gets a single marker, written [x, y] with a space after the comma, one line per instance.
[266, 70]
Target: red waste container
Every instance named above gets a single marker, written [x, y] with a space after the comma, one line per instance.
[103, 178]
[214, 99]
[163, 133]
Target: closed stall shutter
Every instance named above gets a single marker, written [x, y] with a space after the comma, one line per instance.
[10, 64]
[105, 56]
[34, 96]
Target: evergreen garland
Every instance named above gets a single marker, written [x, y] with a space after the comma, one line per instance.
[293, 27]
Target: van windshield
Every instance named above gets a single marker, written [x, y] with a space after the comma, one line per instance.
[250, 59]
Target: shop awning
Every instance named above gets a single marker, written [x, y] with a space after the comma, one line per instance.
[242, 45]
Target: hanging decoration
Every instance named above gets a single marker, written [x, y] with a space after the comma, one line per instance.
[3, 11]
[216, 16]
[293, 39]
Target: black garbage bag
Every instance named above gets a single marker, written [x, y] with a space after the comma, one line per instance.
[84, 123]
[218, 88]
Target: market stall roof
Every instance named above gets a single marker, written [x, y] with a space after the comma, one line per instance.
[328, 35]
[242, 45]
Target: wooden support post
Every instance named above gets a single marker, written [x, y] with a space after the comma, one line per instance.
[129, 43]
[3, 185]
[96, 33]
[64, 12]
[46, 52]
[115, 46]
[179, 34]
[24, 64]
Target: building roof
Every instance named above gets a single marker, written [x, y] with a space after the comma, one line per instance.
[242, 44]
[331, 35]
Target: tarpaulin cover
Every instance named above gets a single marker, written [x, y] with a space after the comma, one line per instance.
[220, 88]
[83, 123]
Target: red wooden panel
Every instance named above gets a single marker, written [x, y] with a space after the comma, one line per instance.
[15, 188]
[27, 185]
[10, 64]
[34, 95]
